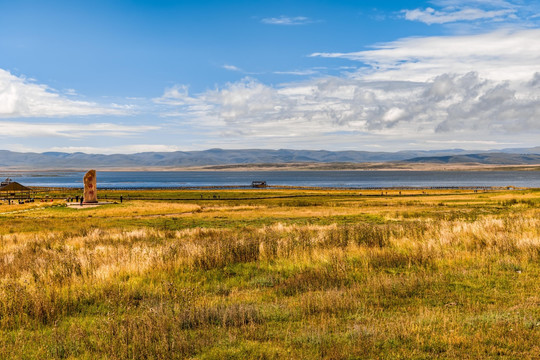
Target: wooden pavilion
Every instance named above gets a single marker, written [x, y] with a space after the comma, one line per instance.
[14, 190]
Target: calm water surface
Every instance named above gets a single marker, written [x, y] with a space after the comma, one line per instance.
[355, 179]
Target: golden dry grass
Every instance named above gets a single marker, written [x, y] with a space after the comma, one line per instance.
[332, 274]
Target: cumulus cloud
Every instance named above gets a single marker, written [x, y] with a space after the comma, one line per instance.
[457, 88]
[448, 103]
[176, 95]
[287, 20]
[20, 98]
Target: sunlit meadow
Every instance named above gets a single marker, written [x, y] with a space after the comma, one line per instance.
[273, 274]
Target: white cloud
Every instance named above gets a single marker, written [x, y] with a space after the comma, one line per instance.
[20, 97]
[287, 20]
[231, 68]
[431, 16]
[122, 149]
[297, 72]
[486, 3]
[480, 11]
[12, 129]
[176, 95]
[463, 105]
[71, 92]
[481, 90]
[499, 55]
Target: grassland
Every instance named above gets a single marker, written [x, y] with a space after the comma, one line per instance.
[273, 274]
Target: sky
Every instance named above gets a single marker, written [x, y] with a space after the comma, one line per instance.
[133, 76]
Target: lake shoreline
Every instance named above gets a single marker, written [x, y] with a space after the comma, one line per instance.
[279, 177]
[378, 166]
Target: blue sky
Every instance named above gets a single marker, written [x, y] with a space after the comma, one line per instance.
[131, 76]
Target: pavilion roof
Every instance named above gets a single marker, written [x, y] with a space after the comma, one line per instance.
[15, 186]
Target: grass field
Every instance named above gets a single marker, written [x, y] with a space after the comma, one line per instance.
[273, 274]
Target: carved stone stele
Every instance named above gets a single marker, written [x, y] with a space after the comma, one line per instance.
[90, 190]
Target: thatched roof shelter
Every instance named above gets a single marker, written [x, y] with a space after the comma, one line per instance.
[15, 190]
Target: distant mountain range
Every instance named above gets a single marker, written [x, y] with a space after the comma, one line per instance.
[483, 158]
[59, 160]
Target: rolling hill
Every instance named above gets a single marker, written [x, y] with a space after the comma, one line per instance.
[59, 160]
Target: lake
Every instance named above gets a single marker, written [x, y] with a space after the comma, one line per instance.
[342, 179]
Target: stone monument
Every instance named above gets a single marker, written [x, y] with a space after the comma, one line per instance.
[90, 190]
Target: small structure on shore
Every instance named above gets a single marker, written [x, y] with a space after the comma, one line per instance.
[6, 182]
[13, 190]
[90, 190]
[258, 184]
